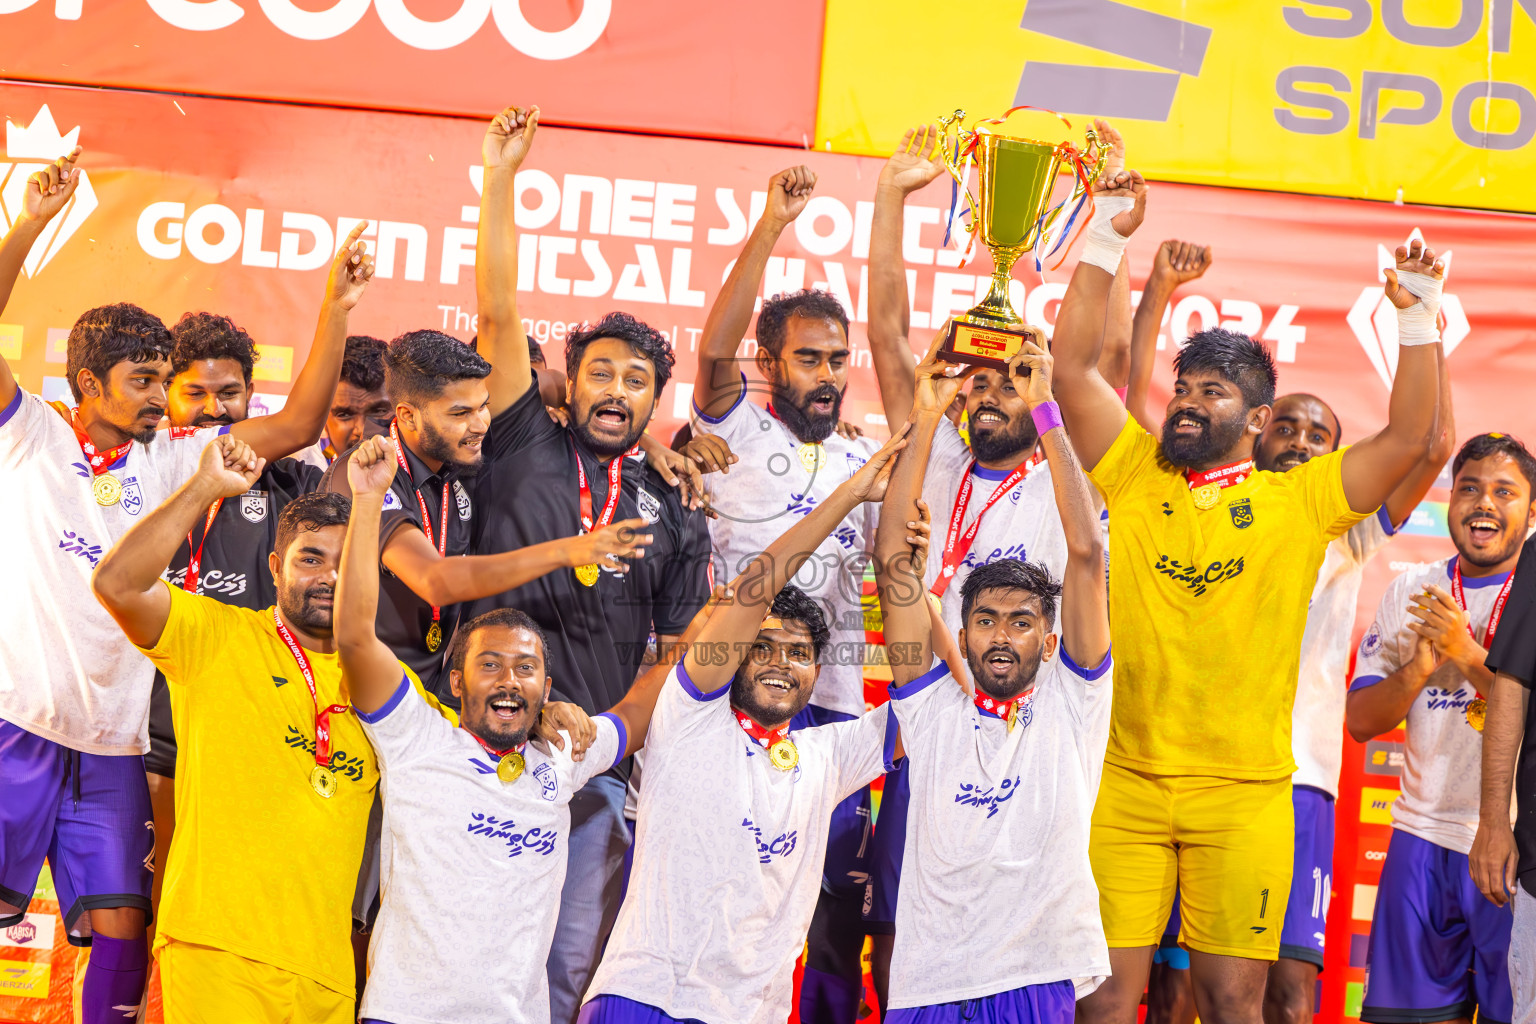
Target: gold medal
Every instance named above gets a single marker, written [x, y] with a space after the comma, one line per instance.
[1206, 496]
[783, 755]
[434, 637]
[812, 457]
[323, 781]
[510, 768]
[106, 489]
[1477, 713]
[588, 574]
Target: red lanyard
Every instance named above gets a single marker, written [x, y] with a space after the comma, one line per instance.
[1221, 476]
[615, 478]
[322, 717]
[497, 754]
[426, 520]
[1007, 710]
[956, 544]
[763, 736]
[1493, 615]
[195, 555]
[99, 461]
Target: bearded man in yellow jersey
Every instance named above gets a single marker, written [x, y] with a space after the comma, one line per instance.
[1212, 568]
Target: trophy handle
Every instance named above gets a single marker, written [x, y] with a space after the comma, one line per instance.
[955, 150]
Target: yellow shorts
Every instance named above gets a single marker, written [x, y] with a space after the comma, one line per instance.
[1225, 844]
[203, 985]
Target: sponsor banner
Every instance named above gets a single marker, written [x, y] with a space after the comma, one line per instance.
[1426, 103]
[686, 67]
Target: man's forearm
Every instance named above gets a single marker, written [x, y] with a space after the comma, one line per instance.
[135, 563]
[889, 317]
[357, 584]
[1503, 732]
[502, 340]
[1115, 352]
[1146, 324]
[903, 600]
[731, 312]
[1378, 709]
[13, 253]
[302, 418]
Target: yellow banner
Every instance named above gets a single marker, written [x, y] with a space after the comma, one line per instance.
[1424, 101]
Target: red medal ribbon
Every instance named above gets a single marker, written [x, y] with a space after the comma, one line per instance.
[1494, 615]
[956, 544]
[1221, 476]
[497, 754]
[1007, 710]
[195, 555]
[615, 478]
[764, 737]
[99, 461]
[426, 520]
[322, 717]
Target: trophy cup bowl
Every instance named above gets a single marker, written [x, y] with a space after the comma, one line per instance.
[1015, 179]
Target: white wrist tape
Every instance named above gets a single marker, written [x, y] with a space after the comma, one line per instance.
[1419, 324]
[1104, 245]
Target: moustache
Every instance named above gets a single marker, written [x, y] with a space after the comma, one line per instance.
[315, 592]
[1006, 652]
[824, 392]
[1293, 457]
[151, 412]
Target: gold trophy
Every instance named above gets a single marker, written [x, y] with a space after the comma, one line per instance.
[1015, 177]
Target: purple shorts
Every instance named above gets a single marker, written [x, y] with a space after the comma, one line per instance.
[618, 1010]
[1306, 913]
[1438, 948]
[88, 814]
[1054, 1002]
[887, 846]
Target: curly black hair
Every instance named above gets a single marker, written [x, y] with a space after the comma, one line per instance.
[307, 513]
[1236, 357]
[508, 617]
[1012, 574]
[362, 365]
[795, 604]
[211, 336]
[108, 335]
[807, 303]
[1484, 445]
[646, 340]
[418, 365]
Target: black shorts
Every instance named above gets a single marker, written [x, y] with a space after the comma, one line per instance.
[161, 759]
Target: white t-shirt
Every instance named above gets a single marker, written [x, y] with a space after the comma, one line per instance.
[67, 672]
[1024, 523]
[758, 500]
[471, 868]
[1442, 775]
[996, 889]
[728, 858]
[1317, 721]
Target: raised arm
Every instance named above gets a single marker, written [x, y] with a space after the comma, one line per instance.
[757, 585]
[1375, 466]
[1115, 352]
[127, 582]
[502, 340]
[1084, 594]
[299, 422]
[1411, 490]
[369, 667]
[717, 384]
[1093, 412]
[1176, 263]
[46, 193]
[1494, 859]
[914, 164]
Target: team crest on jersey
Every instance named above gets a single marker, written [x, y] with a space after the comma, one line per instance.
[650, 505]
[1370, 646]
[461, 498]
[1242, 513]
[253, 505]
[855, 462]
[391, 500]
[133, 497]
[550, 782]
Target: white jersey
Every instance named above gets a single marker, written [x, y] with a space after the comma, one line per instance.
[1024, 524]
[996, 889]
[762, 496]
[67, 673]
[1317, 721]
[728, 858]
[1443, 773]
[470, 868]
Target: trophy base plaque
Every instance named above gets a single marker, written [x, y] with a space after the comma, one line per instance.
[983, 343]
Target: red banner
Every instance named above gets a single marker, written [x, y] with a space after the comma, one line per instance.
[683, 67]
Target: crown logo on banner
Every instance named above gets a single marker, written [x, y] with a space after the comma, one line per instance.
[27, 150]
[1373, 318]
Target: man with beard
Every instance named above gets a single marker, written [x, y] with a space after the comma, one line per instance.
[73, 696]
[1002, 779]
[276, 777]
[736, 806]
[545, 482]
[1439, 951]
[1214, 564]
[360, 408]
[476, 818]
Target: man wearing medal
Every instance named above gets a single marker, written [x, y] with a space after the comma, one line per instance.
[736, 806]
[1204, 595]
[545, 481]
[1423, 661]
[73, 694]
